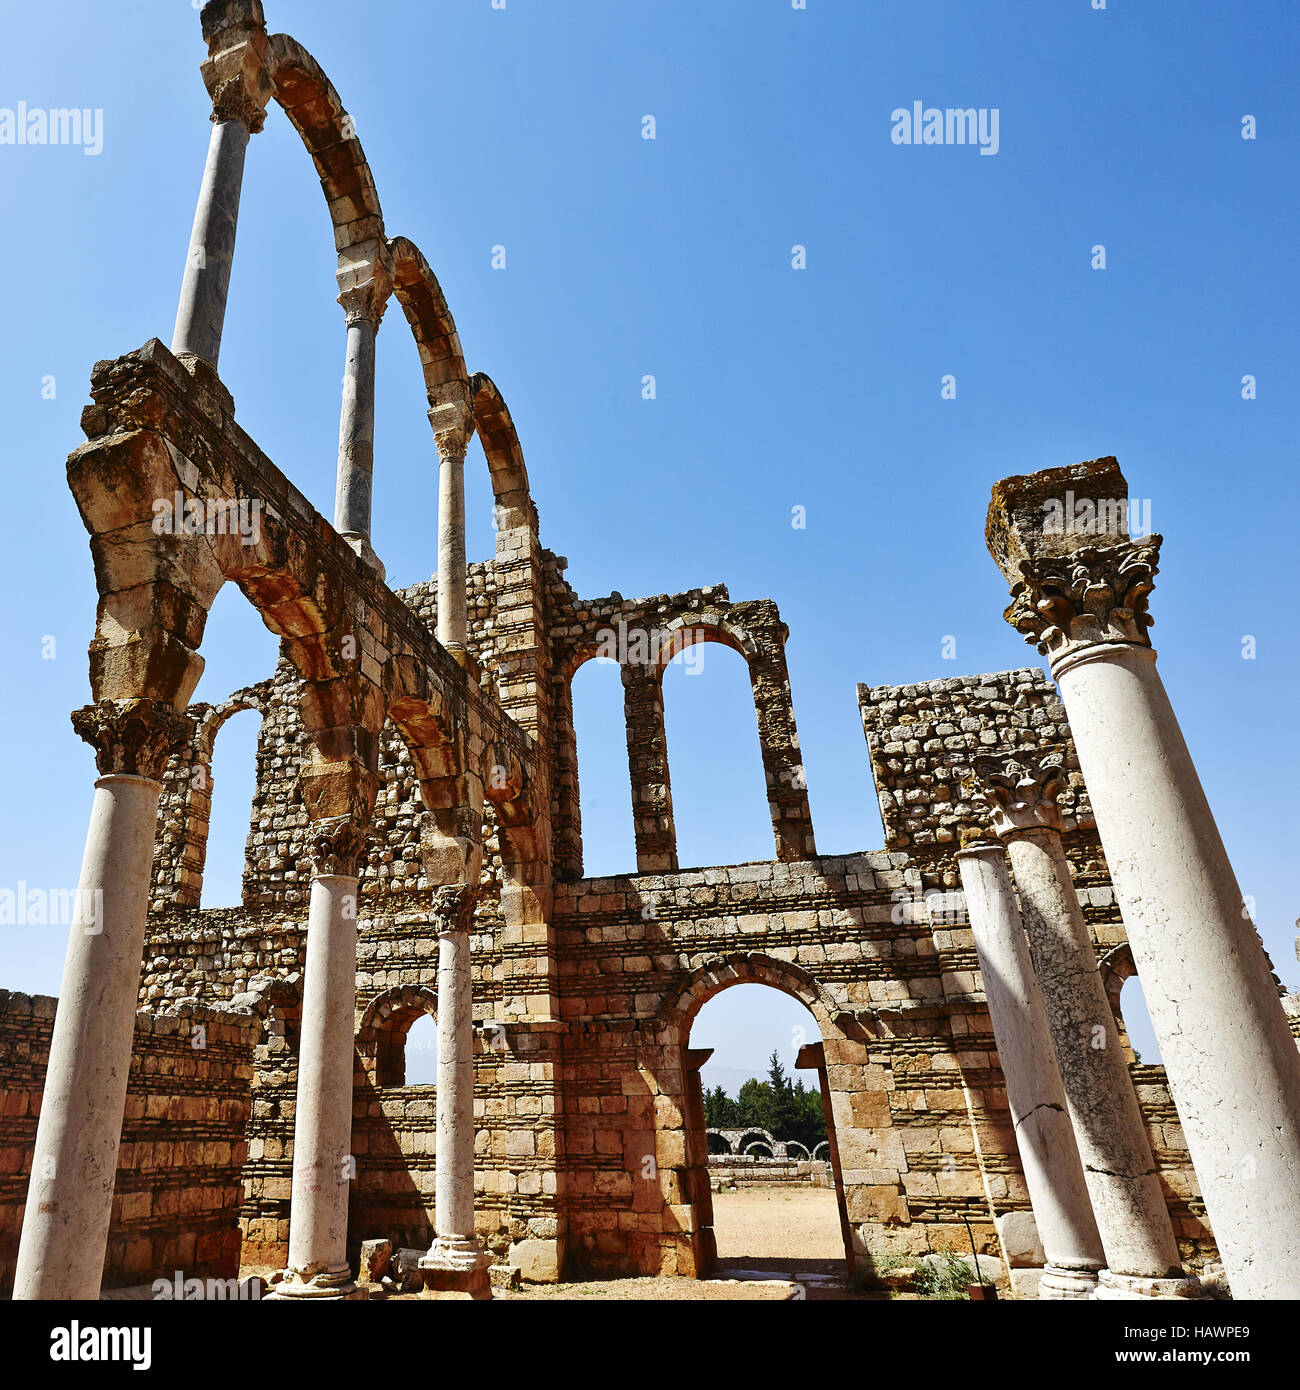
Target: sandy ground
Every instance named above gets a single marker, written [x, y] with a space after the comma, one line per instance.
[780, 1244]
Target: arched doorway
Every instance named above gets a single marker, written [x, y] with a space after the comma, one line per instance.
[756, 1106]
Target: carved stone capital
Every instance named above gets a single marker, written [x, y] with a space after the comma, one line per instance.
[232, 101]
[1096, 594]
[364, 303]
[451, 413]
[132, 736]
[337, 845]
[453, 907]
[1018, 791]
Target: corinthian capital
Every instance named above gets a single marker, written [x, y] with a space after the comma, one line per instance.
[232, 101]
[451, 413]
[132, 736]
[337, 845]
[1096, 594]
[1018, 791]
[453, 907]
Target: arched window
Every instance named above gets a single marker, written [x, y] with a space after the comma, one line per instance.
[608, 842]
[232, 785]
[422, 1052]
[719, 790]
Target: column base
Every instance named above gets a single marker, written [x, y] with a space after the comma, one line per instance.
[1058, 1283]
[1111, 1286]
[456, 1265]
[324, 1283]
[365, 552]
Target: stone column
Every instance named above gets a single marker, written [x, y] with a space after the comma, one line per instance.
[1049, 1155]
[201, 314]
[1128, 1203]
[647, 756]
[778, 738]
[1233, 1068]
[357, 416]
[70, 1193]
[323, 1165]
[456, 1260]
[451, 413]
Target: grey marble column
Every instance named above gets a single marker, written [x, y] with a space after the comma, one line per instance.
[1058, 1191]
[456, 1260]
[452, 613]
[201, 313]
[1142, 1259]
[323, 1165]
[356, 430]
[70, 1194]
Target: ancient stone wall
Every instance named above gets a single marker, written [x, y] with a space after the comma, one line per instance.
[184, 1140]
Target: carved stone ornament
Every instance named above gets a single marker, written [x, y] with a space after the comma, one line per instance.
[364, 304]
[231, 102]
[1018, 791]
[337, 845]
[132, 736]
[1098, 594]
[453, 907]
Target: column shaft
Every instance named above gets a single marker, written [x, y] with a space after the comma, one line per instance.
[322, 1131]
[451, 550]
[70, 1194]
[1127, 1199]
[454, 1182]
[201, 314]
[1233, 1068]
[356, 433]
[1049, 1154]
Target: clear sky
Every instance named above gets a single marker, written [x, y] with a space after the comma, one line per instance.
[776, 388]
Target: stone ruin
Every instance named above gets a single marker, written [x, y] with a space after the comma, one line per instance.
[227, 1086]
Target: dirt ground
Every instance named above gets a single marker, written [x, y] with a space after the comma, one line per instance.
[780, 1244]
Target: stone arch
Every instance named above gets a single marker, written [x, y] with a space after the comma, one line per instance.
[315, 109]
[505, 456]
[720, 1136]
[678, 1012]
[382, 1029]
[688, 629]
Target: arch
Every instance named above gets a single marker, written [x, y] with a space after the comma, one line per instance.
[690, 629]
[718, 1142]
[382, 1029]
[315, 110]
[505, 457]
[678, 1012]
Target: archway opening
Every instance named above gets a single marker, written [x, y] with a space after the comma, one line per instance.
[604, 783]
[719, 789]
[231, 789]
[1135, 1024]
[764, 1205]
[406, 1049]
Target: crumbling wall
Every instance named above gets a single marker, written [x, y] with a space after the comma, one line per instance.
[178, 1190]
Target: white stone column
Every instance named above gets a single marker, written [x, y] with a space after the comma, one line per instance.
[456, 1260]
[1215, 1009]
[201, 313]
[451, 413]
[323, 1164]
[1232, 1064]
[1142, 1259]
[74, 1167]
[1058, 1191]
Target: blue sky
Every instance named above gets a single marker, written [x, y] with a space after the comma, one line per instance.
[776, 388]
